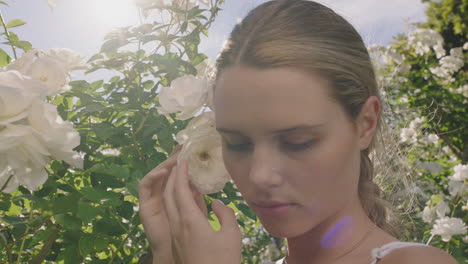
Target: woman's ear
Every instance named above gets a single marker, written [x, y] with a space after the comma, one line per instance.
[367, 121]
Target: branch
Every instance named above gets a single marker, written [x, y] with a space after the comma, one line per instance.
[7, 33]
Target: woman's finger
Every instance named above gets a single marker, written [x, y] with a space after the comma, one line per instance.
[169, 200]
[199, 199]
[227, 217]
[153, 181]
[188, 208]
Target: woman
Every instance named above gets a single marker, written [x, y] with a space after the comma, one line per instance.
[297, 106]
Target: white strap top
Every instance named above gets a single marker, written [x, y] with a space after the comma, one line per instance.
[376, 253]
[380, 252]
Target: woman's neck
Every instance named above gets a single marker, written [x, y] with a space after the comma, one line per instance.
[335, 238]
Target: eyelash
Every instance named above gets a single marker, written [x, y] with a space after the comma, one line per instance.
[293, 147]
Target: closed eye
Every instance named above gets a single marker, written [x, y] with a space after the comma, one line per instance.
[288, 146]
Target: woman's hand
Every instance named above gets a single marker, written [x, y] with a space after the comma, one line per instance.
[152, 210]
[195, 240]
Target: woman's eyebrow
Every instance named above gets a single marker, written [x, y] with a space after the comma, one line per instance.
[285, 130]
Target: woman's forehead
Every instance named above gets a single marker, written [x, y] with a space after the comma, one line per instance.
[271, 99]
[277, 91]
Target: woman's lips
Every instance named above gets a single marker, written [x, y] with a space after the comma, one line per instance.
[272, 208]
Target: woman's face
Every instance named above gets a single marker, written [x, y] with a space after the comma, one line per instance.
[315, 166]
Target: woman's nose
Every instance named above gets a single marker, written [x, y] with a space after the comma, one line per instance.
[263, 169]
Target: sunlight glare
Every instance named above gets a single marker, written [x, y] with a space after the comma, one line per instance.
[115, 13]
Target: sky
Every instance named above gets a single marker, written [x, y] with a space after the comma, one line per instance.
[82, 24]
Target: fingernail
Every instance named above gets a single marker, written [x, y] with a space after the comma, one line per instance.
[221, 202]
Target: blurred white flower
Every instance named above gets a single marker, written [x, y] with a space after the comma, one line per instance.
[425, 39]
[448, 65]
[457, 52]
[416, 122]
[25, 154]
[460, 172]
[393, 56]
[246, 241]
[465, 239]
[442, 209]
[427, 214]
[203, 151]
[408, 135]
[463, 90]
[187, 95]
[439, 50]
[59, 135]
[457, 188]
[447, 227]
[52, 67]
[110, 151]
[465, 207]
[430, 213]
[52, 3]
[16, 95]
[465, 46]
[431, 139]
[404, 99]
[375, 49]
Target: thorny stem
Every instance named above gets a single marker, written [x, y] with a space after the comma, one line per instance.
[114, 253]
[24, 238]
[4, 242]
[46, 247]
[6, 183]
[7, 33]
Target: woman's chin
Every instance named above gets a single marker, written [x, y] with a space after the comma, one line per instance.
[282, 229]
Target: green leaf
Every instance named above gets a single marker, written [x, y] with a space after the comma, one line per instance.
[68, 222]
[101, 243]
[3, 3]
[70, 255]
[15, 23]
[165, 140]
[5, 205]
[86, 244]
[125, 210]
[24, 45]
[87, 212]
[113, 44]
[5, 59]
[247, 211]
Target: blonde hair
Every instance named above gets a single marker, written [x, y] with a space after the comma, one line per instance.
[309, 36]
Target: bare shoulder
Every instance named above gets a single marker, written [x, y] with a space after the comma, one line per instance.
[418, 254]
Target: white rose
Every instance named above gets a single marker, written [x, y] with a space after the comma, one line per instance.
[461, 173]
[442, 209]
[187, 94]
[206, 166]
[457, 188]
[25, 154]
[203, 123]
[52, 67]
[446, 227]
[16, 94]
[59, 135]
[427, 214]
[69, 58]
